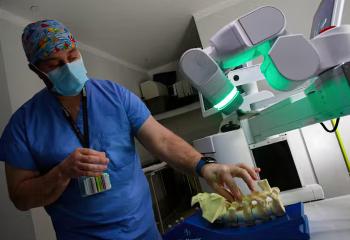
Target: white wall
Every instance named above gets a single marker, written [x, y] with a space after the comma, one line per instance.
[17, 85]
[22, 83]
[5, 105]
[327, 159]
[344, 130]
[11, 218]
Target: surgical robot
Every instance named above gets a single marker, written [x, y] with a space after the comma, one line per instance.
[290, 61]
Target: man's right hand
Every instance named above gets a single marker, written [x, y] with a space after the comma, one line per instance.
[84, 162]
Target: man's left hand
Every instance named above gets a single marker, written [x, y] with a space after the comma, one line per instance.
[220, 178]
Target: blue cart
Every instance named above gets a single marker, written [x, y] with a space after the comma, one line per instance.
[294, 225]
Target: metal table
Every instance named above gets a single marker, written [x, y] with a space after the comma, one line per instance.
[329, 219]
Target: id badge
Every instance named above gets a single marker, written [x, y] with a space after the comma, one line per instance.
[93, 185]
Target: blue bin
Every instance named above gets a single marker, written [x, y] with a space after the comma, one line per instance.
[294, 225]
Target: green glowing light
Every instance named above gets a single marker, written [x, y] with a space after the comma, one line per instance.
[268, 68]
[227, 100]
[264, 48]
[273, 76]
[249, 55]
[240, 59]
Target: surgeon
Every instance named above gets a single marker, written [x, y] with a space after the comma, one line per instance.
[81, 128]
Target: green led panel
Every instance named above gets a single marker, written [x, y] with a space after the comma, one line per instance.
[249, 55]
[268, 68]
[227, 99]
[275, 79]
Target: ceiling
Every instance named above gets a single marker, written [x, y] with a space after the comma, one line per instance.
[146, 33]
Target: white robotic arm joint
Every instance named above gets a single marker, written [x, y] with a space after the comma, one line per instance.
[289, 60]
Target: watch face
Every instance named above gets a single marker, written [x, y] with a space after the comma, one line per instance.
[209, 159]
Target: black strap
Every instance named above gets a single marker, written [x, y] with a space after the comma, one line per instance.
[83, 138]
[334, 128]
[85, 120]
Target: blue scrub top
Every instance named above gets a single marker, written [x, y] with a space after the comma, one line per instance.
[38, 137]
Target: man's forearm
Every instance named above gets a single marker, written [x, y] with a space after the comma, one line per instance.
[168, 147]
[40, 190]
[179, 154]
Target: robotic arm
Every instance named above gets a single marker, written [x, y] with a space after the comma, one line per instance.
[289, 61]
[235, 44]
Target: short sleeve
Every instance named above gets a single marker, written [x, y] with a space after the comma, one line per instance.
[136, 110]
[14, 148]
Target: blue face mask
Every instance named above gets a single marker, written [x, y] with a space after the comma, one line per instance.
[69, 79]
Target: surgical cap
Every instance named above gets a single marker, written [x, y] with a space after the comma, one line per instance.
[42, 38]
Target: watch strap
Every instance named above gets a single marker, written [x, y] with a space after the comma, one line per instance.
[203, 161]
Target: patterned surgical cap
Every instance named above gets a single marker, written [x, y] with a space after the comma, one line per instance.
[42, 38]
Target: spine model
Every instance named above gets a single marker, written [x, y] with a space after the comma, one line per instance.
[257, 206]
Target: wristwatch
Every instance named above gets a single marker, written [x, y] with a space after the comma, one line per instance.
[203, 161]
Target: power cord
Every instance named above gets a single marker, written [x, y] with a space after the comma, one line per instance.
[334, 128]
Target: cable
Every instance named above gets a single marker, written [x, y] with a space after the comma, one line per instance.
[342, 147]
[334, 127]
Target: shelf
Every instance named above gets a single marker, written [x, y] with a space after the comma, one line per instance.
[178, 111]
[155, 167]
